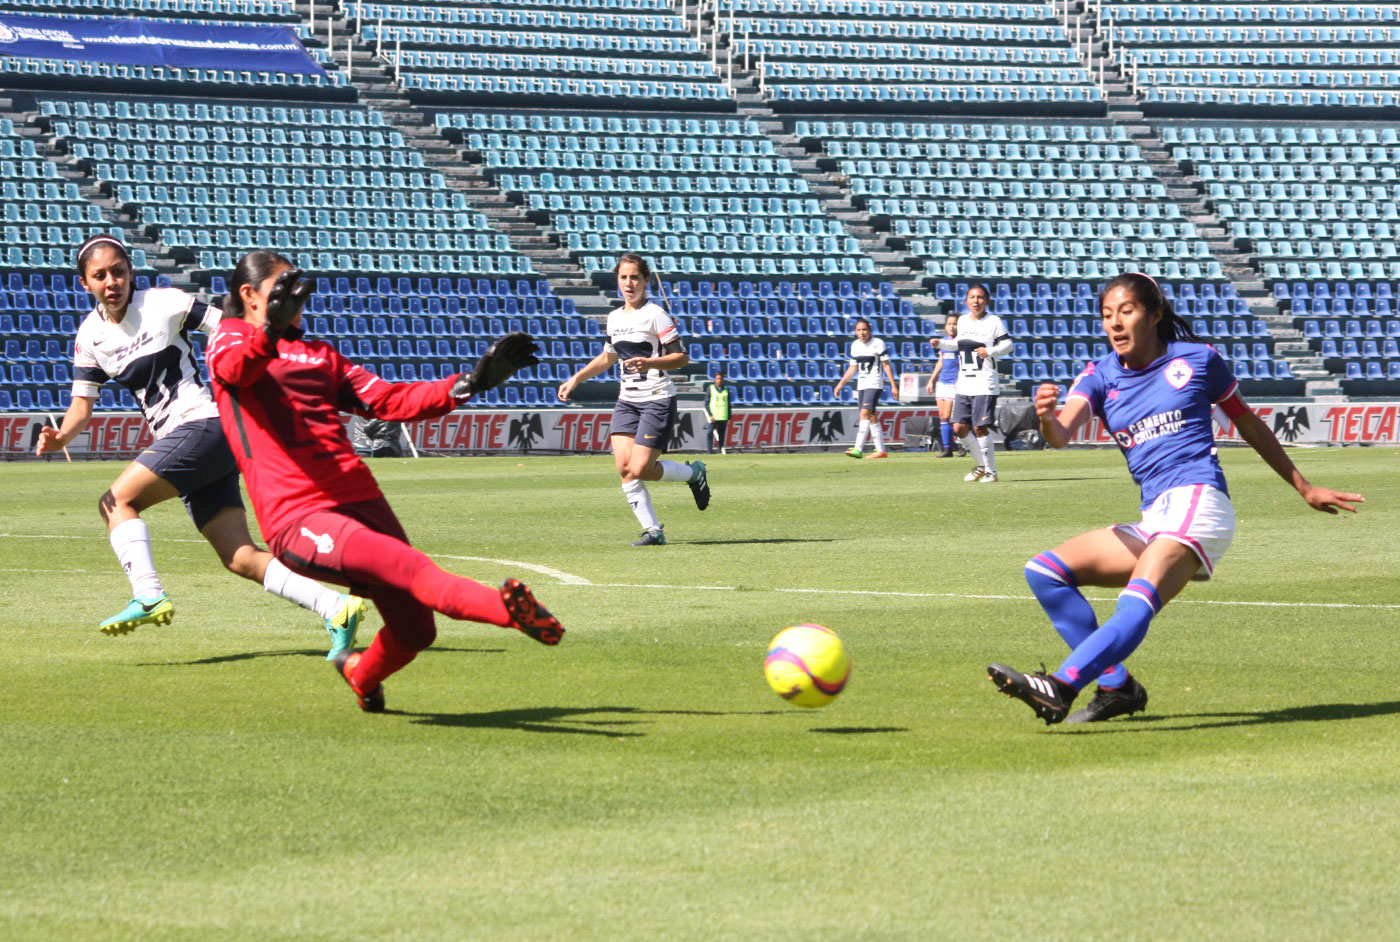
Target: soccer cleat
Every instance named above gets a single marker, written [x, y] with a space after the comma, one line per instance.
[976, 474]
[151, 610]
[946, 453]
[699, 484]
[372, 702]
[1049, 696]
[988, 477]
[853, 453]
[877, 454]
[1109, 702]
[528, 615]
[346, 622]
[655, 537]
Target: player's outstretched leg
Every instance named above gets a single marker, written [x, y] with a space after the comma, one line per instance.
[1109, 702]
[343, 626]
[371, 701]
[1047, 695]
[699, 484]
[528, 615]
[142, 610]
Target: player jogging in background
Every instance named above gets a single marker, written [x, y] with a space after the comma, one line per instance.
[644, 338]
[943, 383]
[982, 337]
[1154, 392]
[870, 364]
[141, 340]
[280, 396]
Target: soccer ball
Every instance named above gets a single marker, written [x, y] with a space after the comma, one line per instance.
[807, 665]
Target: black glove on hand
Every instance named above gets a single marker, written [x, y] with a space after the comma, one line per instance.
[514, 351]
[288, 297]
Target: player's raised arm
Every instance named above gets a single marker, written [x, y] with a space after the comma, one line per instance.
[1059, 427]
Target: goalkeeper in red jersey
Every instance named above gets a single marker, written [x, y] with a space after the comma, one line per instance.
[320, 509]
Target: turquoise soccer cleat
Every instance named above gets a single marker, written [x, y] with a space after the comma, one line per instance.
[151, 610]
[346, 622]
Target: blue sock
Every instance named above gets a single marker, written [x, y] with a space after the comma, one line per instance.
[1118, 638]
[1056, 589]
[946, 429]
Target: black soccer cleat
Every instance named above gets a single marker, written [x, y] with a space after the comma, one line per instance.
[528, 615]
[1049, 696]
[699, 484]
[372, 702]
[1109, 702]
[651, 537]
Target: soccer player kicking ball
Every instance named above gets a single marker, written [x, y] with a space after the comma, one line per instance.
[1154, 392]
[140, 339]
[280, 397]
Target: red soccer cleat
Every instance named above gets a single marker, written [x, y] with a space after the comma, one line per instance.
[529, 615]
[345, 663]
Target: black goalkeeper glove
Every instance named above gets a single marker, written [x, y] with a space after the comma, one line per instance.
[288, 297]
[513, 352]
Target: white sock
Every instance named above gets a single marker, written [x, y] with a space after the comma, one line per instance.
[308, 593]
[674, 470]
[640, 498]
[131, 541]
[861, 432]
[989, 452]
[974, 448]
[877, 436]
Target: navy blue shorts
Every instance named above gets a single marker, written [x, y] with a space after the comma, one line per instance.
[977, 411]
[196, 460]
[869, 399]
[646, 423]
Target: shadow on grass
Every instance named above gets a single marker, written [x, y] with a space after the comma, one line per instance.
[815, 539]
[587, 721]
[1318, 713]
[859, 730]
[317, 653]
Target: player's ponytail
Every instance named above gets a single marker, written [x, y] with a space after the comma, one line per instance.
[1145, 290]
[253, 269]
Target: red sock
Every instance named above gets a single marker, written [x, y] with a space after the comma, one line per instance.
[459, 597]
[382, 658]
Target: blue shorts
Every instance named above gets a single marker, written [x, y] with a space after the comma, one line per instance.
[646, 423]
[196, 460]
[869, 399]
[977, 411]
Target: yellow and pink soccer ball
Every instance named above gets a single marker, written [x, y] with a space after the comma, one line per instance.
[807, 665]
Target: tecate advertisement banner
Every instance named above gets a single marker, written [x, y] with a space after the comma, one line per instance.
[473, 431]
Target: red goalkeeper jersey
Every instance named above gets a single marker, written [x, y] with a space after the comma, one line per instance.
[279, 403]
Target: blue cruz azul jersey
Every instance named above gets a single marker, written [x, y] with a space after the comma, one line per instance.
[1161, 416]
[948, 356]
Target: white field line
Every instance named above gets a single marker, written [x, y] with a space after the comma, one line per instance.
[570, 579]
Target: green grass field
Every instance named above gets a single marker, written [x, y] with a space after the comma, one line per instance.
[213, 780]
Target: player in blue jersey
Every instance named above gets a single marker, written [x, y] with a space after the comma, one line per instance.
[1154, 392]
[642, 336]
[943, 383]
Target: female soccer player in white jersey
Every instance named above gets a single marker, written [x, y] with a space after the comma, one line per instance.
[870, 364]
[141, 340]
[982, 337]
[943, 383]
[642, 335]
[1154, 392]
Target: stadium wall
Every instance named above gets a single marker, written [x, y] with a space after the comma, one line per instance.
[117, 435]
